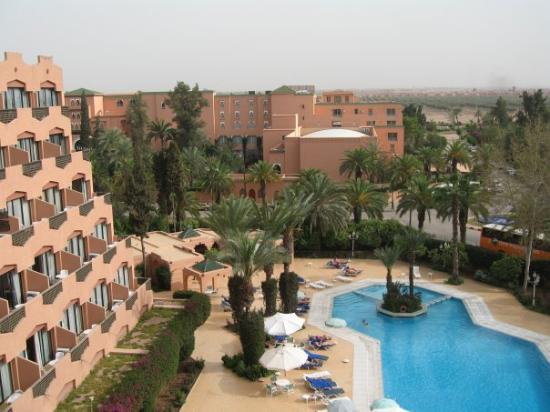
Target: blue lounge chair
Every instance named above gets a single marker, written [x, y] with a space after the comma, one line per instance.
[312, 356]
[319, 384]
[332, 392]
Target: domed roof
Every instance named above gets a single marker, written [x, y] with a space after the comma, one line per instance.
[336, 133]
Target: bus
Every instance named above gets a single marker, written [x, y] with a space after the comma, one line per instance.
[504, 239]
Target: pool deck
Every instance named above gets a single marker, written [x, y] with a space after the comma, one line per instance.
[218, 389]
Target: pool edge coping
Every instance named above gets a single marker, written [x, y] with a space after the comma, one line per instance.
[367, 358]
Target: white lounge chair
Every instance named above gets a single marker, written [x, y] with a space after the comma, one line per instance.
[316, 285]
[325, 284]
[416, 272]
[344, 279]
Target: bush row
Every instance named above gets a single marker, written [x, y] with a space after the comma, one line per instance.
[138, 388]
[251, 372]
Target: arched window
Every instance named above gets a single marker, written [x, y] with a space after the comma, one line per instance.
[163, 105]
[277, 168]
[120, 103]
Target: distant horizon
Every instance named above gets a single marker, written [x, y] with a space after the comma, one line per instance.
[248, 45]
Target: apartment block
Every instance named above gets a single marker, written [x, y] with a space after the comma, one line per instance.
[68, 291]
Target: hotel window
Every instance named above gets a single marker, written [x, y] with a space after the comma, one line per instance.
[337, 99]
[265, 104]
[20, 209]
[6, 386]
[266, 114]
[355, 111]
[120, 103]
[390, 112]
[251, 113]
[59, 140]
[251, 103]
[371, 112]
[53, 195]
[99, 296]
[163, 105]
[47, 97]
[16, 98]
[100, 231]
[75, 246]
[391, 123]
[79, 185]
[45, 264]
[371, 123]
[222, 125]
[237, 115]
[266, 124]
[222, 104]
[237, 125]
[237, 103]
[347, 99]
[251, 124]
[328, 99]
[392, 137]
[222, 115]
[2, 161]
[39, 348]
[11, 288]
[72, 319]
[337, 112]
[122, 276]
[29, 145]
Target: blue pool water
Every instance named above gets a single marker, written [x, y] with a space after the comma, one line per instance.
[443, 362]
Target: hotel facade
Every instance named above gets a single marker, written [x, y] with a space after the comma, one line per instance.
[68, 291]
[291, 127]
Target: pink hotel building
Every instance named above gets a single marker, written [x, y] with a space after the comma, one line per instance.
[67, 287]
[297, 128]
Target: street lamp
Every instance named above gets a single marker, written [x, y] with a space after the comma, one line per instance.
[535, 281]
[353, 237]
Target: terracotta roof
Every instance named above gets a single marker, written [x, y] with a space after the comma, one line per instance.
[87, 92]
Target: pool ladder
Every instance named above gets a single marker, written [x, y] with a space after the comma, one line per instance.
[439, 300]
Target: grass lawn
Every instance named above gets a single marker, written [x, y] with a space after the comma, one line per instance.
[98, 383]
[150, 324]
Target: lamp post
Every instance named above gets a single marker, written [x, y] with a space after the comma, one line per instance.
[353, 237]
[535, 281]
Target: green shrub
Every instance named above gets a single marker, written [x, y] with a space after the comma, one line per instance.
[252, 337]
[241, 296]
[506, 271]
[237, 365]
[288, 289]
[442, 257]
[397, 299]
[269, 289]
[183, 294]
[481, 258]
[162, 279]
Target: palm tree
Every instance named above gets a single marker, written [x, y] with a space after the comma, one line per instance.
[363, 197]
[231, 216]
[429, 157]
[328, 204]
[472, 199]
[161, 130]
[457, 153]
[402, 170]
[193, 163]
[418, 196]
[262, 173]
[411, 242]
[111, 153]
[216, 179]
[249, 253]
[356, 162]
[388, 255]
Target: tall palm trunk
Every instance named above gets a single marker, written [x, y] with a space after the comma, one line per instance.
[263, 189]
[528, 256]
[412, 259]
[463, 221]
[288, 244]
[357, 214]
[143, 255]
[455, 274]
[268, 269]
[389, 279]
[421, 213]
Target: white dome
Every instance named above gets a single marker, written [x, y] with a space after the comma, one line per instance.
[336, 133]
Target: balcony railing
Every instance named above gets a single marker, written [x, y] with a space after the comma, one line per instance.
[20, 238]
[130, 302]
[78, 350]
[108, 322]
[2, 174]
[40, 112]
[10, 321]
[109, 255]
[57, 220]
[86, 208]
[63, 160]
[41, 386]
[8, 115]
[49, 295]
[31, 168]
[65, 111]
[83, 272]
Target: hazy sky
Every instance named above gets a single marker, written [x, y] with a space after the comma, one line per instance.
[125, 45]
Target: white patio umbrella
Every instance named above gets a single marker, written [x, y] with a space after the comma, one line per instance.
[283, 358]
[343, 404]
[283, 324]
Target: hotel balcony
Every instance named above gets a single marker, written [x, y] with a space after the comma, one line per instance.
[38, 113]
[40, 388]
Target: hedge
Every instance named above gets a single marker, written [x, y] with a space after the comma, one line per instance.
[288, 289]
[252, 337]
[162, 279]
[139, 387]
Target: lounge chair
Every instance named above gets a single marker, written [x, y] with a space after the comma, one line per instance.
[315, 375]
[332, 392]
[314, 364]
[416, 272]
[312, 356]
[316, 285]
[320, 384]
[342, 278]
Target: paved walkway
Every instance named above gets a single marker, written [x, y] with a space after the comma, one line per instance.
[218, 389]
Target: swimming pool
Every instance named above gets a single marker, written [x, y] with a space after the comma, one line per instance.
[442, 361]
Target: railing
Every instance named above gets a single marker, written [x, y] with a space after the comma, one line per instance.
[83, 272]
[40, 112]
[108, 322]
[130, 302]
[128, 242]
[63, 160]
[8, 115]
[108, 198]
[109, 255]
[86, 154]
[40, 387]
[86, 208]
[10, 321]
[31, 168]
[148, 284]
[49, 295]
[2, 174]
[65, 111]
[20, 238]
[78, 350]
[57, 220]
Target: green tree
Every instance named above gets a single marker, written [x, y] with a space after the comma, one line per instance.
[457, 153]
[162, 131]
[417, 196]
[174, 183]
[411, 242]
[231, 216]
[534, 110]
[85, 129]
[252, 337]
[194, 164]
[388, 255]
[356, 162]
[429, 157]
[263, 173]
[364, 197]
[402, 170]
[111, 154]
[140, 191]
[414, 133]
[473, 199]
[499, 113]
[187, 104]
[216, 179]
[98, 128]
